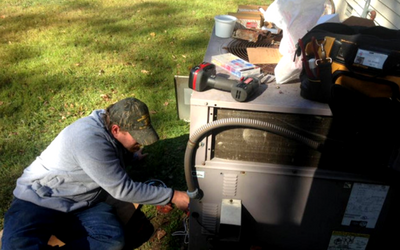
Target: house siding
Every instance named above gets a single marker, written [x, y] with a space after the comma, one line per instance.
[386, 11]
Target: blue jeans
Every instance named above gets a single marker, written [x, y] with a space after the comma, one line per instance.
[28, 226]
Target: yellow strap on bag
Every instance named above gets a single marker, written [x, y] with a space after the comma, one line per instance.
[371, 89]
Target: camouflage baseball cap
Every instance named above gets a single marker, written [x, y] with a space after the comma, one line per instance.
[132, 115]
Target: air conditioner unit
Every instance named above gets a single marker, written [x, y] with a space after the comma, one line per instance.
[260, 190]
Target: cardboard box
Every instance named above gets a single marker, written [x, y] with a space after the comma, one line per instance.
[359, 21]
[248, 20]
[251, 8]
[264, 55]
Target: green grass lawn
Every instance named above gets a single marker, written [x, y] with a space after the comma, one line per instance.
[60, 59]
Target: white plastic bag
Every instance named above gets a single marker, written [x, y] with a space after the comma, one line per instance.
[294, 18]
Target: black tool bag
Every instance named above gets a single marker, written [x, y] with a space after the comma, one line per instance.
[363, 59]
[356, 70]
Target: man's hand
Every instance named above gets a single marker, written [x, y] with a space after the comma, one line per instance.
[181, 200]
[138, 155]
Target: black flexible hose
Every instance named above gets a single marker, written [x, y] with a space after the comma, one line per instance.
[199, 134]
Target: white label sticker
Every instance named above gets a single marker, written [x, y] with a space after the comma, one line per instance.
[198, 174]
[348, 241]
[364, 205]
[370, 58]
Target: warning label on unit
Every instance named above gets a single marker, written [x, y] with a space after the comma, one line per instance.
[348, 241]
[365, 205]
[370, 58]
[198, 174]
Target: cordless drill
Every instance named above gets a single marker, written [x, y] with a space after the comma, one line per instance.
[205, 75]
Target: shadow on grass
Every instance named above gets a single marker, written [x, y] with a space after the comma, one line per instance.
[164, 162]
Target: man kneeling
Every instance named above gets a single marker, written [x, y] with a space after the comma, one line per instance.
[66, 191]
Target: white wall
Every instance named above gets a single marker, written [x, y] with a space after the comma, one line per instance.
[387, 11]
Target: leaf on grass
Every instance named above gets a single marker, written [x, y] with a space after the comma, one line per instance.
[152, 34]
[166, 103]
[130, 64]
[1, 103]
[145, 71]
[184, 56]
[160, 234]
[153, 112]
[105, 97]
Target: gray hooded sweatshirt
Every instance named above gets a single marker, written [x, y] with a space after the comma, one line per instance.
[82, 162]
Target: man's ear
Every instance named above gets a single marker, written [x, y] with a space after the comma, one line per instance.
[115, 130]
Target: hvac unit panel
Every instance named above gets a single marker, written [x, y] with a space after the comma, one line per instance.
[292, 197]
[282, 207]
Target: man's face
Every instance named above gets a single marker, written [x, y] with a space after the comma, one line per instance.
[126, 140]
[129, 142]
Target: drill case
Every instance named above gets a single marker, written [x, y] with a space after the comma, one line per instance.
[362, 59]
